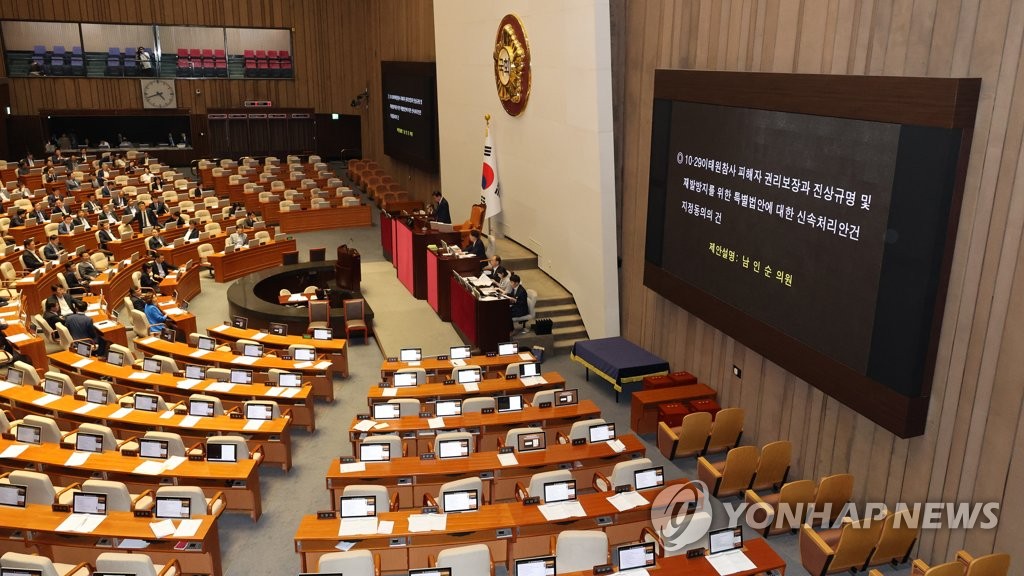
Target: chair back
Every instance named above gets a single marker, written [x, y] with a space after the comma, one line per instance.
[121, 563]
[393, 441]
[353, 309]
[19, 561]
[106, 387]
[175, 445]
[351, 562]
[38, 487]
[443, 436]
[538, 480]
[421, 374]
[580, 550]
[140, 325]
[129, 357]
[693, 433]
[622, 473]
[239, 442]
[197, 500]
[474, 483]
[68, 388]
[31, 377]
[544, 396]
[726, 429]
[833, 493]
[218, 407]
[989, 565]
[477, 404]
[740, 464]
[512, 436]
[899, 533]
[773, 465]
[856, 541]
[109, 442]
[49, 432]
[118, 498]
[275, 409]
[581, 429]
[319, 311]
[406, 406]
[472, 559]
[664, 545]
[379, 493]
[797, 496]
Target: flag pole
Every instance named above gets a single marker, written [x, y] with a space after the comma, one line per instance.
[490, 221]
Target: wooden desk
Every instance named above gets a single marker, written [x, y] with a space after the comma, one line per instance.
[643, 413]
[336, 350]
[445, 367]
[179, 255]
[239, 263]
[325, 218]
[239, 481]
[488, 427]
[187, 285]
[420, 240]
[757, 550]
[320, 374]
[482, 323]
[411, 477]
[439, 270]
[529, 532]
[36, 287]
[35, 527]
[116, 288]
[273, 434]
[489, 387]
[26, 341]
[126, 379]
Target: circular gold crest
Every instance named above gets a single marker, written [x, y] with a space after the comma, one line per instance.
[512, 65]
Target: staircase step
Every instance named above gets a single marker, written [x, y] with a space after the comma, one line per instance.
[556, 301]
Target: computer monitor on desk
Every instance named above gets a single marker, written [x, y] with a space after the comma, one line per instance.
[173, 507]
[725, 540]
[459, 352]
[567, 397]
[240, 376]
[153, 448]
[453, 448]
[252, 350]
[386, 411]
[151, 365]
[531, 441]
[358, 506]
[323, 333]
[29, 434]
[89, 503]
[114, 357]
[410, 355]
[529, 369]
[194, 372]
[304, 354]
[13, 495]
[448, 407]
[635, 556]
[648, 478]
[431, 572]
[559, 491]
[289, 379]
[218, 452]
[602, 432]
[374, 452]
[85, 442]
[539, 566]
[202, 408]
[511, 403]
[460, 501]
[405, 379]
[469, 375]
[206, 343]
[278, 329]
[508, 348]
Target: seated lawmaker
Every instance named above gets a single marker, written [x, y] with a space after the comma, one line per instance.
[29, 257]
[154, 315]
[476, 245]
[53, 249]
[519, 306]
[81, 327]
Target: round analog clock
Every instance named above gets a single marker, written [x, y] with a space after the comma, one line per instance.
[511, 55]
[158, 93]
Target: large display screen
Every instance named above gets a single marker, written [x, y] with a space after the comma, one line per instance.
[821, 240]
[409, 93]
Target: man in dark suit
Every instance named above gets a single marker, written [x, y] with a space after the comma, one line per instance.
[135, 295]
[91, 206]
[29, 257]
[86, 270]
[108, 215]
[82, 219]
[193, 230]
[105, 235]
[58, 209]
[62, 300]
[53, 249]
[67, 225]
[145, 217]
[442, 213]
[156, 240]
[51, 315]
[519, 307]
[19, 217]
[476, 245]
[160, 267]
[40, 216]
[81, 327]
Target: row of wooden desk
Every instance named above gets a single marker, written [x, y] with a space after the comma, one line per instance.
[227, 267]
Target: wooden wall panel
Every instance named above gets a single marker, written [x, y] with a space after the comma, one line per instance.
[337, 49]
[973, 447]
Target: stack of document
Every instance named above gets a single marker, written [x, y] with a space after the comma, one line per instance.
[533, 381]
[616, 445]
[562, 510]
[81, 523]
[352, 467]
[508, 459]
[627, 501]
[730, 562]
[364, 425]
[357, 526]
[427, 522]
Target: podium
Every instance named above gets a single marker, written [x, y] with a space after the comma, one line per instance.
[481, 323]
[439, 272]
[348, 269]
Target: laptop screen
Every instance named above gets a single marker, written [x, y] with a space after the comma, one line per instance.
[195, 372]
[95, 395]
[559, 491]
[458, 352]
[20, 572]
[240, 322]
[13, 495]
[218, 452]
[146, 402]
[602, 432]
[206, 343]
[151, 448]
[508, 348]
[168, 334]
[173, 507]
[448, 408]
[240, 376]
[116, 358]
[83, 348]
[14, 376]
[252, 350]
[289, 380]
[323, 334]
[304, 354]
[386, 411]
[648, 478]
[431, 572]
[636, 556]
[29, 434]
[53, 386]
[540, 566]
[460, 501]
[85, 442]
[529, 369]
[531, 441]
[200, 407]
[151, 365]
[469, 375]
[259, 411]
[566, 397]
[410, 355]
[453, 448]
[278, 329]
[358, 506]
[725, 539]
[513, 403]
[405, 379]
[89, 503]
[374, 452]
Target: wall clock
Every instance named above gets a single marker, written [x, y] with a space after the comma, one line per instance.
[158, 93]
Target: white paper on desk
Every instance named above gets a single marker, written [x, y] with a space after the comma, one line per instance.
[357, 526]
[5, 385]
[276, 391]
[508, 459]
[220, 327]
[189, 421]
[364, 425]
[730, 562]
[162, 528]
[91, 313]
[471, 387]
[458, 362]
[81, 523]
[187, 383]
[301, 365]
[77, 458]
[105, 324]
[253, 425]
[93, 306]
[297, 298]
[616, 445]
[220, 387]
[427, 522]
[381, 425]
[121, 412]
[533, 381]
[188, 528]
[150, 468]
[15, 338]
[45, 399]
[633, 572]
[167, 415]
[139, 375]
[389, 392]
[385, 527]
[344, 545]
[93, 283]
[149, 340]
[323, 365]
[173, 311]
[627, 501]
[259, 336]
[173, 462]
[247, 360]
[85, 408]
[290, 392]
[526, 356]
[352, 467]
[132, 544]
[13, 451]
[413, 363]
[198, 353]
[562, 510]
[435, 422]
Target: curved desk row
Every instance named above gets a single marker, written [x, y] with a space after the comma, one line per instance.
[335, 350]
[443, 368]
[489, 387]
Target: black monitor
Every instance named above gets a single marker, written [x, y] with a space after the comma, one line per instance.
[96, 395]
[83, 349]
[200, 407]
[168, 334]
[510, 403]
[218, 452]
[567, 397]
[410, 355]
[194, 372]
[649, 478]
[562, 491]
[13, 495]
[508, 348]
[405, 379]
[459, 352]
[451, 407]
[725, 540]
[460, 501]
[240, 322]
[529, 369]
[173, 507]
[632, 556]
[20, 571]
[153, 448]
[206, 343]
[259, 411]
[252, 350]
[530, 441]
[240, 376]
[146, 402]
[53, 386]
[152, 365]
[458, 448]
[358, 506]
[29, 434]
[537, 566]
[601, 432]
[374, 452]
[323, 333]
[469, 375]
[304, 354]
[278, 329]
[386, 411]
[289, 379]
[114, 357]
[85, 442]
[89, 503]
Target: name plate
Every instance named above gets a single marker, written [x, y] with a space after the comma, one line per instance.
[449, 381]
[326, 515]
[511, 377]
[143, 513]
[487, 411]
[443, 357]
[531, 501]
[603, 569]
[347, 460]
[579, 441]
[506, 450]
[430, 510]
[545, 405]
[427, 456]
[236, 415]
